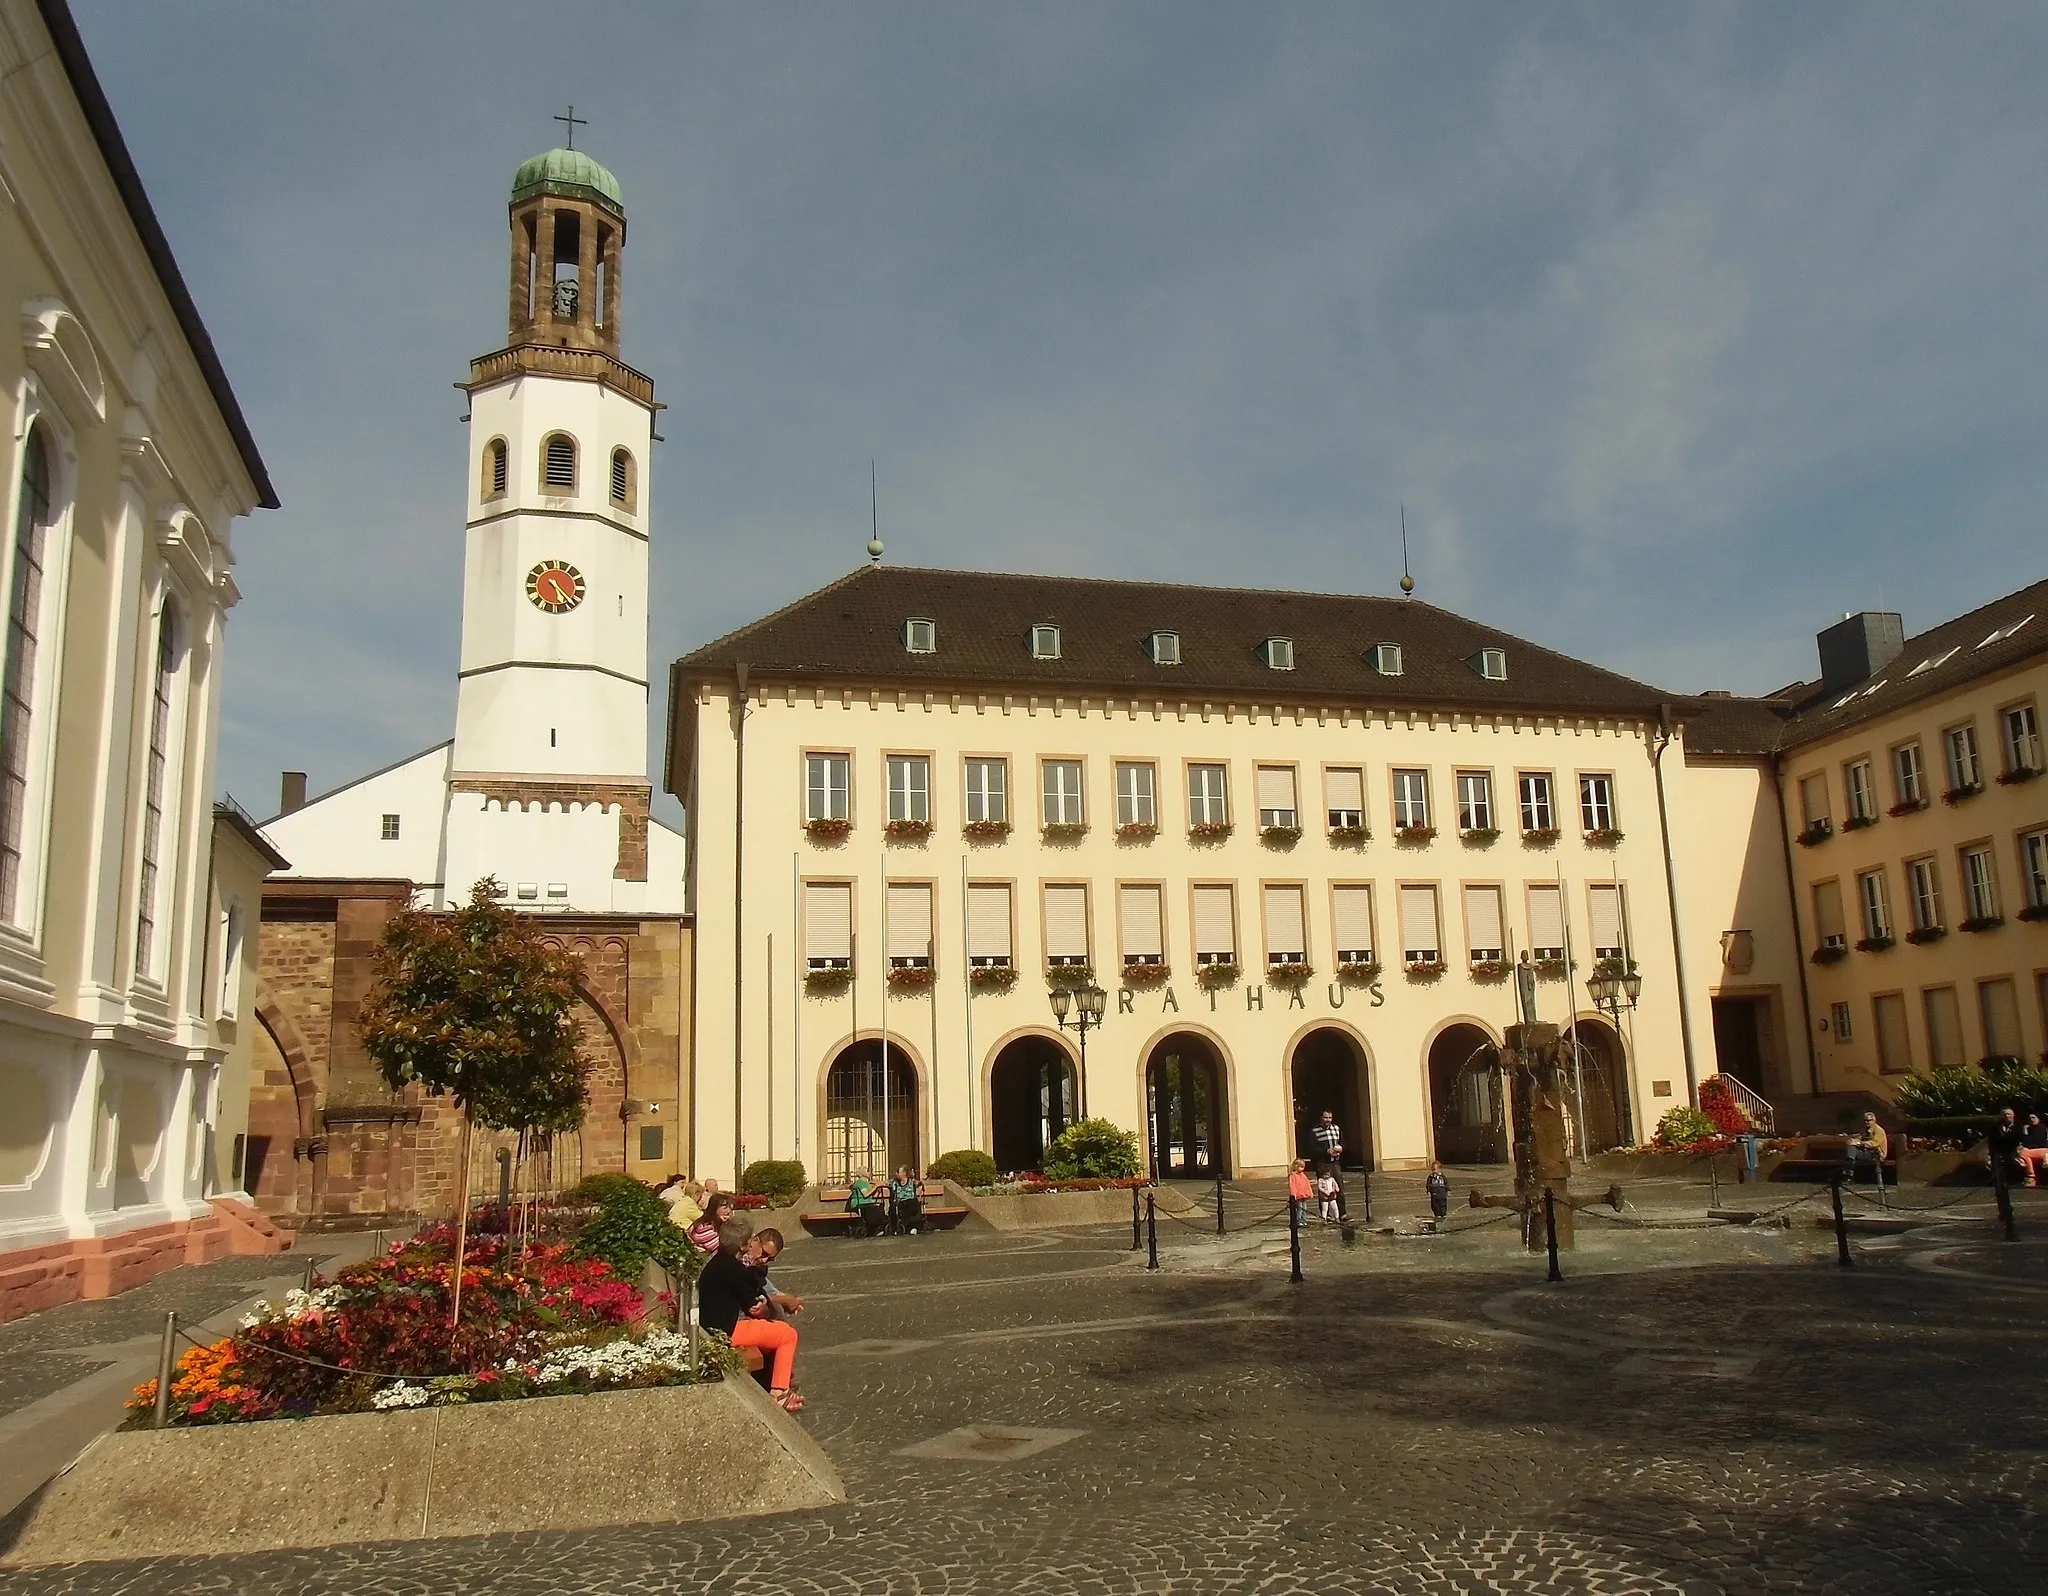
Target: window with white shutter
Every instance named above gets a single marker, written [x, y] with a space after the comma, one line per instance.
[988, 925]
[1286, 935]
[1894, 1041]
[910, 926]
[1482, 924]
[1420, 943]
[1827, 914]
[1546, 922]
[1278, 808]
[828, 925]
[1609, 938]
[1066, 925]
[1351, 920]
[1215, 925]
[1344, 797]
[1144, 934]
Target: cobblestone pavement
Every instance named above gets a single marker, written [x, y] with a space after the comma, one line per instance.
[1718, 1415]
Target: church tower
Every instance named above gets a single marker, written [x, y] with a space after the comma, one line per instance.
[551, 706]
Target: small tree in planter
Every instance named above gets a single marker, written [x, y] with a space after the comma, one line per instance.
[780, 1180]
[474, 1006]
[1092, 1149]
[966, 1166]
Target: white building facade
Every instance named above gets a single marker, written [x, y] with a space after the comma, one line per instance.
[128, 462]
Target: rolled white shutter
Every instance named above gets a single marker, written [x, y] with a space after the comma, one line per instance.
[1351, 914]
[1482, 921]
[1344, 789]
[910, 921]
[988, 920]
[1546, 918]
[1827, 908]
[1143, 934]
[1418, 922]
[828, 920]
[1894, 1044]
[1276, 787]
[1606, 914]
[1284, 922]
[1214, 928]
[1066, 922]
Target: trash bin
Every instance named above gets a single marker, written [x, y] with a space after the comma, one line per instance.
[1749, 1165]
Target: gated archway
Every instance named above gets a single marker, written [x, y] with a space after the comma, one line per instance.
[1033, 1095]
[1327, 1070]
[871, 1114]
[1187, 1107]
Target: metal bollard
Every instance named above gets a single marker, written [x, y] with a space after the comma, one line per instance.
[1294, 1240]
[1219, 1199]
[166, 1367]
[1714, 1177]
[1550, 1231]
[1877, 1164]
[1841, 1224]
[504, 1179]
[1137, 1236]
[1365, 1193]
[307, 1284]
[1151, 1232]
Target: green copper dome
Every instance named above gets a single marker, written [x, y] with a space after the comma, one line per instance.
[567, 172]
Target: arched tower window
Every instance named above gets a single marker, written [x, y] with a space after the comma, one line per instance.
[495, 468]
[18, 686]
[625, 484]
[558, 463]
[157, 788]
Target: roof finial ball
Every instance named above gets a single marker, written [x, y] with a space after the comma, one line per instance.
[874, 519]
[875, 551]
[1407, 581]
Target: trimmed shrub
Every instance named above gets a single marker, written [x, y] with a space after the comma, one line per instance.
[632, 1226]
[1966, 1092]
[1092, 1149]
[782, 1179]
[1684, 1126]
[966, 1166]
[592, 1190]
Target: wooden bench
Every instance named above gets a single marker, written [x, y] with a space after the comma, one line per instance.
[1824, 1157]
[936, 1210]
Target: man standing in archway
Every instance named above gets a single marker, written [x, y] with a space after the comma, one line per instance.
[1330, 1144]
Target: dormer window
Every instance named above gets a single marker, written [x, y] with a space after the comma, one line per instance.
[1492, 663]
[1385, 658]
[1164, 647]
[1045, 642]
[1278, 653]
[921, 637]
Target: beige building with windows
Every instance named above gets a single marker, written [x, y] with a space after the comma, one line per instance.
[128, 463]
[1300, 840]
[1918, 823]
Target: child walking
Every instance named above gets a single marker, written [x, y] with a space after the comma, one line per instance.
[1327, 1190]
[1439, 1190]
[1299, 1190]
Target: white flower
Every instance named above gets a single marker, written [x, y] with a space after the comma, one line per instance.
[661, 1352]
[400, 1395]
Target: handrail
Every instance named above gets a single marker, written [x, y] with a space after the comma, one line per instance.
[1759, 1112]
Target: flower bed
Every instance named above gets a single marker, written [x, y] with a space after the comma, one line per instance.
[536, 1321]
[1032, 1185]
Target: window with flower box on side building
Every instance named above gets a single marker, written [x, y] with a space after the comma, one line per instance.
[828, 927]
[1965, 775]
[1909, 779]
[1815, 822]
[1066, 925]
[1279, 806]
[1923, 898]
[1411, 804]
[910, 941]
[1208, 800]
[1546, 927]
[1875, 907]
[1830, 936]
[1980, 888]
[1351, 926]
[2034, 878]
[828, 791]
[1475, 805]
[1061, 790]
[2020, 734]
[1344, 802]
[1607, 914]
[1286, 932]
[1596, 807]
[1535, 792]
[988, 795]
[1859, 784]
[910, 793]
[1421, 936]
[989, 931]
[1141, 923]
[1137, 806]
[1215, 913]
[1485, 933]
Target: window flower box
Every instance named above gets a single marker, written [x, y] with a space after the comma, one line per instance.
[1209, 831]
[2035, 911]
[827, 983]
[1490, 970]
[1070, 975]
[1414, 836]
[986, 830]
[1873, 944]
[2019, 774]
[1816, 833]
[1921, 935]
[1280, 836]
[1358, 971]
[911, 978]
[1551, 969]
[1221, 973]
[1962, 794]
[1137, 831]
[1349, 836]
[1604, 836]
[1858, 822]
[907, 830]
[1829, 953]
[1140, 974]
[1424, 969]
[828, 830]
[1907, 806]
[1480, 836]
[1614, 966]
[992, 977]
[1981, 922]
[1064, 830]
[1289, 974]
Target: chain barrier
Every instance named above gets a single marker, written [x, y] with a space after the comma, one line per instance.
[1209, 1224]
[1987, 1195]
[1772, 1213]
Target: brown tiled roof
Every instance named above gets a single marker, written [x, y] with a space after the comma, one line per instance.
[852, 631]
[1953, 654]
[1723, 724]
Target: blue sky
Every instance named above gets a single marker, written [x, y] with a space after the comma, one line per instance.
[1679, 329]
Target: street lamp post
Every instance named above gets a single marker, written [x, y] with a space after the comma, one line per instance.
[1085, 1004]
[1614, 987]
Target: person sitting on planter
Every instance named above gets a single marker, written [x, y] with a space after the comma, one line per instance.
[732, 1298]
[2034, 1148]
[2003, 1146]
[864, 1204]
[762, 1252]
[1869, 1147]
[907, 1209]
[703, 1235]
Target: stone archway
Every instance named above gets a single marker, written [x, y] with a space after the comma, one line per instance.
[1033, 1095]
[1187, 1108]
[1598, 1085]
[1327, 1070]
[1466, 1114]
[871, 1112]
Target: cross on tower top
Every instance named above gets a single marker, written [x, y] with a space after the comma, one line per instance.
[574, 122]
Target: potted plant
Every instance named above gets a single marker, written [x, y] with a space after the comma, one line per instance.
[1962, 793]
[1209, 831]
[986, 830]
[1858, 822]
[1070, 975]
[911, 977]
[1923, 934]
[992, 977]
[1425, 969]
[1490, 969]
[1604, 836]
[1830, 953]
[1907, 806]
[1358, 972]
[1981, 922]
[1349, 836]
[2035, 911]
[1540, 836]
[1219, 973]
[1552, 969]
[826, 983]
[828, 830]
[1280, 836]
[1816, 832]
[2018, 774]
[1290, 973]
[907, 830]
[1137, 831]
[1875, 944]
[1139, 973]
[1057, 831]
[1414, 836]
[1479, 836]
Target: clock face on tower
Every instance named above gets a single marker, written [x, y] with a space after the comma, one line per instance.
[555, 586]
